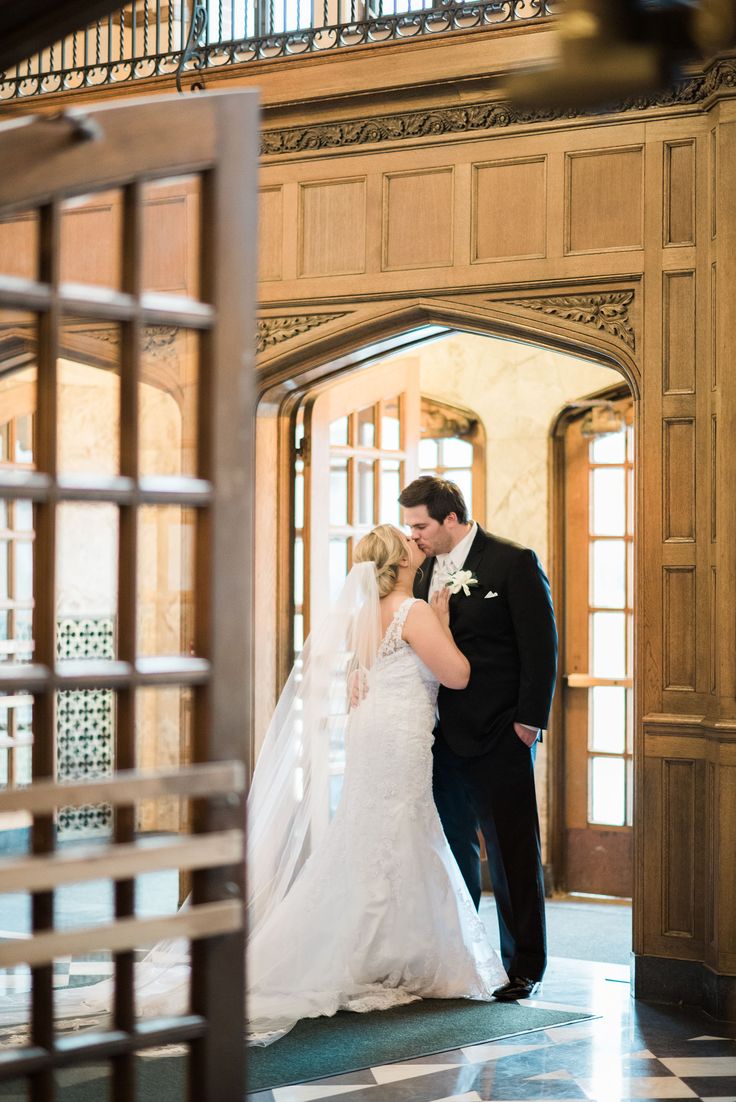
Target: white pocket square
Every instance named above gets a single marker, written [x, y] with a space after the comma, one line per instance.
[490, 593]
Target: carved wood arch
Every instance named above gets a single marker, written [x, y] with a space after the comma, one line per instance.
[355, 339]
[354, 336]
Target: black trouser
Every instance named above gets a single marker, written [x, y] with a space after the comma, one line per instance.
[495, 792]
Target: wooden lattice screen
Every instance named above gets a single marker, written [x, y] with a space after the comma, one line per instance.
[212, 139]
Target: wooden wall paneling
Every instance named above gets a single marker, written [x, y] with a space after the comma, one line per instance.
[509, 207]
[605, 200]
[678, 332]
[713, 174]
[374, 232]
[290, 240]
[418, 218]
[680, 849]
[332, 227]
[271, 233]
[463, 216]
[555, 171]
[167, 218]
[714, 325]
[674, 836]
[678, 479]
[19, 245]
[726, 858]
[713, 623]
[679, 612]
[724, 406]
[91, 240]
[711, 853]
[679, 192]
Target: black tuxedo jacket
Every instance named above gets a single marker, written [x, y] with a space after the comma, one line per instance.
[510, 640]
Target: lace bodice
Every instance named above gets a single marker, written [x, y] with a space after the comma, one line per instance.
[392, 640]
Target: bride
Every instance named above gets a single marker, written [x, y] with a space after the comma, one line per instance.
[367, 909]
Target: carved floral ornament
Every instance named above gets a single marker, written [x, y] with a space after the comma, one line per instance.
[271, 331]
[720, 78]
[606, 310]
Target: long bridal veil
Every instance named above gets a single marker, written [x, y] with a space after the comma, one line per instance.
[296, 781]
[294, 793]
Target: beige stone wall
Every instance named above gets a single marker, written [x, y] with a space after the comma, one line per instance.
[517, 390]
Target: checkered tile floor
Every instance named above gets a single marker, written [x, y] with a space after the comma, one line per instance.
[631, 1051]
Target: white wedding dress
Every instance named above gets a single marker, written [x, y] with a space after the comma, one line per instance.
[365, 912]
[379, 914]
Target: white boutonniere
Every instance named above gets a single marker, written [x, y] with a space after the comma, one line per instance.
[461, 579]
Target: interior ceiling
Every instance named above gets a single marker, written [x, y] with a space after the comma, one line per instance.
[27, 26]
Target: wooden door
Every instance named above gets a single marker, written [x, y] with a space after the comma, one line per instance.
[597, 713]
[118, 310]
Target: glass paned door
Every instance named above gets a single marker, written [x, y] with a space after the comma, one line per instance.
[598, 658]
[356, 446]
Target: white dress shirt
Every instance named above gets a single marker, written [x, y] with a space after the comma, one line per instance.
[454, 560]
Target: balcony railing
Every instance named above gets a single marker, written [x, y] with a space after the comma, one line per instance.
[183, 39]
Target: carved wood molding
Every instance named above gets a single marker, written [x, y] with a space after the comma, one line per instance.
[440, 420]
[608, 311]
[274, 330]
[719, 78]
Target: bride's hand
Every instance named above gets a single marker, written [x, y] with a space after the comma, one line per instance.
[440, 602]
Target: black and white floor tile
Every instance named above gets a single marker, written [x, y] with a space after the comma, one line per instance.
[627, 1053]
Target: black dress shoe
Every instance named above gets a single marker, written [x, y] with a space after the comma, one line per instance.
[518, 987]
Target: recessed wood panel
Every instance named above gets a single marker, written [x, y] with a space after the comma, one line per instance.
[165, 221]
[711, 818]
[679, 193]
[19, 245]
[678, 337]
[678, 489]
[713, 189]
[713, 478]
[679, 628]
[91, 244]
[605, 200]
[714, 636]
[332, 227]
[678, 857]
[417, 219]
[509, 209]
[726, 851]
[271, 233]
[714, 325]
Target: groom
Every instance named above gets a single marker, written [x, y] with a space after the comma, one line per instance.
[486, 734]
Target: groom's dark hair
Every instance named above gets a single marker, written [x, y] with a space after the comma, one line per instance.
[441, 497]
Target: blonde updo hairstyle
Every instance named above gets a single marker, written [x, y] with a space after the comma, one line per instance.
[384, 547]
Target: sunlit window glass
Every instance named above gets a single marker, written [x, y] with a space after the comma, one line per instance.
[608, 573]
[608, 500]
[608, 719]
[607, 788]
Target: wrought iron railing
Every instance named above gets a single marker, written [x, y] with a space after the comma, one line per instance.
[185, 38]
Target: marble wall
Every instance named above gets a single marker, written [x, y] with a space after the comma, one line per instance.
[516, 390]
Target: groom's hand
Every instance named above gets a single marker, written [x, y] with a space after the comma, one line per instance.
[528, 735]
